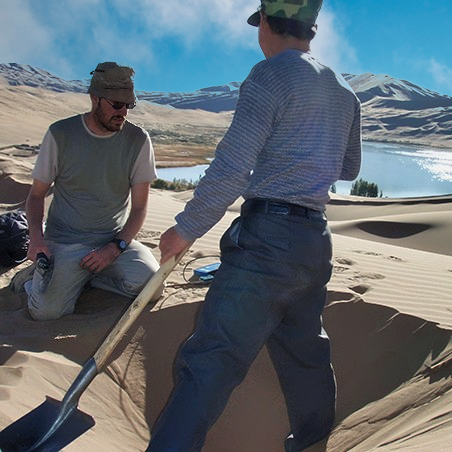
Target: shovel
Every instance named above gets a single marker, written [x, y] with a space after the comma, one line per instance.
[53, 424]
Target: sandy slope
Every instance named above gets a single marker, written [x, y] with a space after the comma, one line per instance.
[27, 113]
[389, 317]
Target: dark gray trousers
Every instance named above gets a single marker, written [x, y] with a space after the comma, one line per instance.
[270, 289]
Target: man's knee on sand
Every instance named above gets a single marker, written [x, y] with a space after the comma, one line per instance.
[46, 311]
[41, 308]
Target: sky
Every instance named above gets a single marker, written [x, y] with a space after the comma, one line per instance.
[186, 45]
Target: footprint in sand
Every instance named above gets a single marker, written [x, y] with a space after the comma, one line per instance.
[344, 261]
[394, 258]
[361, 288]
[368, 253]
[342, 264]
[372, 253]
[360, 276]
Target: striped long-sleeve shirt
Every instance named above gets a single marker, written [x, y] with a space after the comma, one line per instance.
[295, 132]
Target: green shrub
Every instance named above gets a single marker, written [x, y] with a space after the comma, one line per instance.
[176, 185]
[160, 183]
[364, 188]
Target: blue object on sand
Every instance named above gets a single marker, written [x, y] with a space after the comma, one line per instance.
[207, 271]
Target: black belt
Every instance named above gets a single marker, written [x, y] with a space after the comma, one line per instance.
[269, 206]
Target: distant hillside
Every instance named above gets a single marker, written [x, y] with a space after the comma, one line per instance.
[385, 91]
[22, 74]
[215, 98]
[399, 111]
[393, 110]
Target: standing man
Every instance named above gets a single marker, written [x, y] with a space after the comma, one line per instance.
[101, 167]
[295, 132]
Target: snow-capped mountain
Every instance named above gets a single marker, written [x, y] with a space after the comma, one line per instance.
[392, 109]
[215, 98]
[385, 91]
[376, 90]
[23, 74]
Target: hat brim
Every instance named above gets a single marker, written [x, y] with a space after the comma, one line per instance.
[126, 96]
[254, 19]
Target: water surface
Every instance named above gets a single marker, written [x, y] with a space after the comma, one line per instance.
[400, 171]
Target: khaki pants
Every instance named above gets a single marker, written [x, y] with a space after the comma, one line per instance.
[53, 296]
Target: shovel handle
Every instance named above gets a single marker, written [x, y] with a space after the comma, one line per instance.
[134, 310]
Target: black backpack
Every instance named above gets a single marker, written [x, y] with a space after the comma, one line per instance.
[14, 238]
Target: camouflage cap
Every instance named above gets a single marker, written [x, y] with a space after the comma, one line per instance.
[301, 10]
[113, 82]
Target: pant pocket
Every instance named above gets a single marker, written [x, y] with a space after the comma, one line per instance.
[231, 238]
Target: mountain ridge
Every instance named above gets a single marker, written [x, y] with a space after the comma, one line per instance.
[393, 110]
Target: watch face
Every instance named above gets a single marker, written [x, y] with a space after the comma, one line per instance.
[121, 244]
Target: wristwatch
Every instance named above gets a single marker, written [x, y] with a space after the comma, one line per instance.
[121, 244]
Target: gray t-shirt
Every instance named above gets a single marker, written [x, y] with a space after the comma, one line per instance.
[295, 132]
[92, 176]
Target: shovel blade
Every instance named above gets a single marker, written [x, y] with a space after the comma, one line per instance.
[21, 435]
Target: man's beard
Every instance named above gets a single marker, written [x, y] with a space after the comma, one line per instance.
[107, 122]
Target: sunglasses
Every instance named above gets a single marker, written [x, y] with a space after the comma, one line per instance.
[119, 105]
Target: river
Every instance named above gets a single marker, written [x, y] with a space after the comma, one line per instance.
[400, 171]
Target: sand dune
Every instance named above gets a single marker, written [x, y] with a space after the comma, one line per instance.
[419, 223]
[389, 316]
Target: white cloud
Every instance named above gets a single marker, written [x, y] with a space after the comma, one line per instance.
[22, 35]
[224, 22]
[95, 30]
[70, 37]
[197, 20]
[441, 74]
[61, 36]
[331, 46]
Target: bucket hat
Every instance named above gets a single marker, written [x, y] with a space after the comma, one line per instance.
[113, 82]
